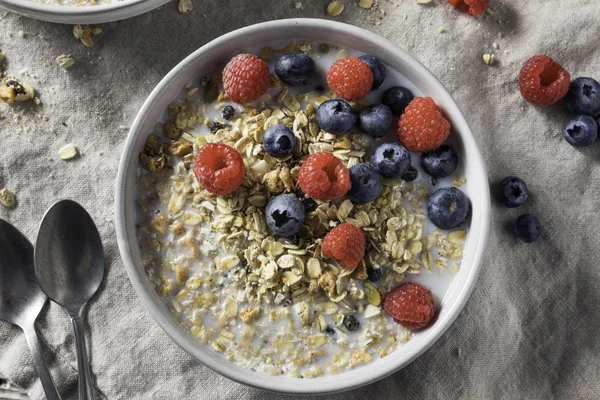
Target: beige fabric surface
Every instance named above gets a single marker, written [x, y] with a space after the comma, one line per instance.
[530, 329]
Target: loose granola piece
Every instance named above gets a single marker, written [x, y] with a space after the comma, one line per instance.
[171, 130]
[335, 8]
[68, 152]
[7, 198]
[65, 61]
[185, 6]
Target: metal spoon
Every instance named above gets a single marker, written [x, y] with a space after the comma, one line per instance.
[69, 264]
[21, 298]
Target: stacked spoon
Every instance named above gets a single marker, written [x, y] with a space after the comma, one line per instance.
[67, 265]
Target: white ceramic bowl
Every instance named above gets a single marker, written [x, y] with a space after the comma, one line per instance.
[96, 14]
[345, 36]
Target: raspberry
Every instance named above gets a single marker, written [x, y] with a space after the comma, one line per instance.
[324, 177]
[346, 244]
[411, 305]
[422, 128]
[543, 81]
[219, 168]
[473, 7]
[246, 78]
[350, 78]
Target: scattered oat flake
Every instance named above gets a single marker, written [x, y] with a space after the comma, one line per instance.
[298, 5]
[441, 29]
[7, 198]
[68, 152]
[422, 1]
[489, 59]
[65, 61]
[366, 4]
[185, 6]
[335, 8]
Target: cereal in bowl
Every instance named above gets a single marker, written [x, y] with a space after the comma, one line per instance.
[273, 230]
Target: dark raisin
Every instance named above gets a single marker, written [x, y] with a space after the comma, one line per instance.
[351, 323]
[228, 113]
[410, 175]
[309, 204]
[329, 330]
[374, 274]
[434, 181]
[368, 247]
[215, 126]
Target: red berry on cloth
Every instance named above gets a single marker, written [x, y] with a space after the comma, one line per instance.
[422, 128]
[472, 7]
[350, 78]
[246, 78]
[346, 244]
[411, 305]
[323, 177]
[543, 81]
[219, 168]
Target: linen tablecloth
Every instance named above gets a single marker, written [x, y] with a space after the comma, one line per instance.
[530, 329]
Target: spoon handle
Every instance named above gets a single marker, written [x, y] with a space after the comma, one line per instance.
[83, 366]
[40, 363]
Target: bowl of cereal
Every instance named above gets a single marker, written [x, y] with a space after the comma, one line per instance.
[309, 206]
[81, 11]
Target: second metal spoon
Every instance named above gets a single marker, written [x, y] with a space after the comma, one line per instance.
[69, 264]
[21, 298]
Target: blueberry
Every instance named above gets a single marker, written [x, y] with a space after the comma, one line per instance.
[440, 162]
[527, 228]
[397, 98]
[295, 69]
[391, 159]
[374, 274]
[335, 116]
[583, 97]
[284, 215]
[410, 174]
[377, 68]
[228, 112]
[351, 322]
[279, 141]
[448, 208]
[512, 191]
[376, 119]
[366, 184]
[581, 131]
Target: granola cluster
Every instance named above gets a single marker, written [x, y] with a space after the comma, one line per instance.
[279, 306]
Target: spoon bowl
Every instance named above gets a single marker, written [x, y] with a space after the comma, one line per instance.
[69, 259]
[21, 298]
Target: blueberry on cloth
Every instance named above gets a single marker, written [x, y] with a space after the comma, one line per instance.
[527, 228]
[581, 131]
[512, 191]
[583, 96]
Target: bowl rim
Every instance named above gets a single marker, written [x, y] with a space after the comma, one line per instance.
[155, 306]
[93, 14]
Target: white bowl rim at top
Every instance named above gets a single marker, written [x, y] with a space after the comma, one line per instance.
[92, 14]
[351, 37]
